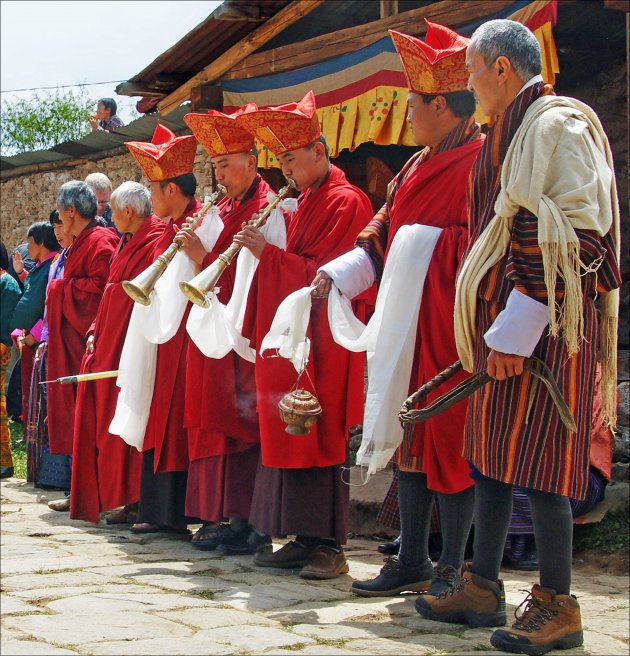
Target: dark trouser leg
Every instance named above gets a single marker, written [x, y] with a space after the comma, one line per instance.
[456, 513]
[415, 501]
[553, 528]
[493, 510]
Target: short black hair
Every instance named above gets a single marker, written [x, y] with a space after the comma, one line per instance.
[321, 139]
[4, 257]
[54, 219]
[42, 233]
[109, 103]
[461, 103]
[187, 184]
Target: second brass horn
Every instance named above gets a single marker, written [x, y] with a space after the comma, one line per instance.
[141, 287]
[198, 288]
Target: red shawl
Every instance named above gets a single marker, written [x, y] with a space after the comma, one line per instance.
[106, 471]
[165, 429]
[221, 394]
[434, 194]
[72, 304]
[325, 225]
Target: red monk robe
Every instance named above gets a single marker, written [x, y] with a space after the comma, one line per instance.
[72, 303]
[165, 430]
[106, 474]
[323, 227]
[434, 194]
[221, 397]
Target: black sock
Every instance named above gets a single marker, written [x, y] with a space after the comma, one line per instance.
[456, 513]
[553, 528]
[415, 502]
[493, 511]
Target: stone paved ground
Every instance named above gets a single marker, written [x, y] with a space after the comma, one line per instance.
[75, 588]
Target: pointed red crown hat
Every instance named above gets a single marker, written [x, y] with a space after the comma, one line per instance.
[435, 65]
[284, 127]
[219, 133]
[166, 155]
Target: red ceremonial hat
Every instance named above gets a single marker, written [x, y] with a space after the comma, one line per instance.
[284, 127]
[166, 156]
[435, 65]
[219, 134]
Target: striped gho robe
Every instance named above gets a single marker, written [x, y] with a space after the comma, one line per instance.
[513, 430]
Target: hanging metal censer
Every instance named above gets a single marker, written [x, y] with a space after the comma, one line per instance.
[299, 409]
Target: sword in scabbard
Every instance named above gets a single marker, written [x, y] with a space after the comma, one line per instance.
[534, 366]
[82, 378]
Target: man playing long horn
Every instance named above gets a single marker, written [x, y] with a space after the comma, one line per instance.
[429, 191]
[299, 488]
[106, 471]
[221, 418]
[544, 224]
[167, 161]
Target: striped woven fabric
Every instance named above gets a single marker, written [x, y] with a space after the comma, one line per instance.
[513, 432]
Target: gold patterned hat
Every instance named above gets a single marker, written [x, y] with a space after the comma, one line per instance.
[166, 155]
[219, 133]
[435, 65]
[284, 127]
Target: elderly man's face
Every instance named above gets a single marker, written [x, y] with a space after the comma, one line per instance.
[123, 219]
[483, 82]
[102, 199]
[67, 218]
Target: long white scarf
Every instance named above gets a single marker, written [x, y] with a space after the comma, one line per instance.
[149, 326]
[217, 330]
[389, 338]
[547, 154]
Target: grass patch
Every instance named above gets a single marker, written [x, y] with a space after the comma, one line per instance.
[18, 449]
[296, 647]
[329, 642]
[608, 536]
[204, 594]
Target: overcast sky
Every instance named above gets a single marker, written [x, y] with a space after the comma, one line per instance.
[59, 43]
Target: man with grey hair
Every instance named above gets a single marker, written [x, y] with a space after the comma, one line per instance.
[72, 303]
[544, 239]
[102, 188]
[106, 471]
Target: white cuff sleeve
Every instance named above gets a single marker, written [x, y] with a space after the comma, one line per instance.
[519, 327]
[352, 272]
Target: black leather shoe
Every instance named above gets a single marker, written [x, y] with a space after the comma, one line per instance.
[393, 579]
[6, 472]
[245, 542]
[222, 533]
[390, 548]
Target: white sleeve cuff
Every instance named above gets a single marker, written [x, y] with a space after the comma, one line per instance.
[519, 327]
[352, 272]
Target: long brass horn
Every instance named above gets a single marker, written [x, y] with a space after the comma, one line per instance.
[198, 288]
[140, 289]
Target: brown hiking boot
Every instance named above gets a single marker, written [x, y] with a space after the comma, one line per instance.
[293, 554]
[474, 601]
[325, 563]
[549, 621]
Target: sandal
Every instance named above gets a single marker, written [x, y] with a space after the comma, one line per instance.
[205, 536]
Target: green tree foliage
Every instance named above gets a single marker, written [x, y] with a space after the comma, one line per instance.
[44, 120]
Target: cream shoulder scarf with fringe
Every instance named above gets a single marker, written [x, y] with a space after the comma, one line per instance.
[560, 168]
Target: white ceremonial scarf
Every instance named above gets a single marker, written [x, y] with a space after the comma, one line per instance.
[389, 338]
[149, 326]
[216, 330]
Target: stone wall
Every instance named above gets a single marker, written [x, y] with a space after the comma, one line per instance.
[29, 198]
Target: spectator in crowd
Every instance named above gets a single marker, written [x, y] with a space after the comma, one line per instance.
[43, 469]
[102, 187]
[9, 297]
[26, 321]
[105, 118]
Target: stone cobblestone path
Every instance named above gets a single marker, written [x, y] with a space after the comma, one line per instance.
[75, 588]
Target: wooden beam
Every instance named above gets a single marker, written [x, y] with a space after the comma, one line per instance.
[278, 23]
[389, 8]
[333, 44]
